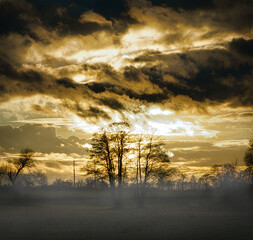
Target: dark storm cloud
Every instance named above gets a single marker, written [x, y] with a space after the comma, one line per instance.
[40, 138]
[91, 113]
[21, 82]
[112, 103]
[63, 16]
[124, 83]
[13, 48]
[219, 17]
[131, 93]
[95, 112]
[31, 76]
[15, 82]
[44, 110]
[233, 14]
[195, 4]
[103, 71]
[23, 18]
[40, 24]
[184, 4]
[12, 16]
[242, 46]
[27, 83]
[149, 98]
[132, 74]
[217, 75]
[67, 83]
[100, 87]
[108, 8]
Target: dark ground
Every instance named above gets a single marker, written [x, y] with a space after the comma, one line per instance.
[74, 215]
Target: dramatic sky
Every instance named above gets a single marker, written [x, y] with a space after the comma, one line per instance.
[181, 69]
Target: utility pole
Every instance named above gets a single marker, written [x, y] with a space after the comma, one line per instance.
[74, 173]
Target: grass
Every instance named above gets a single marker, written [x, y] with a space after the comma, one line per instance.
[74, 215]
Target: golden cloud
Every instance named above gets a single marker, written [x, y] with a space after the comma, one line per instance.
[90, 16]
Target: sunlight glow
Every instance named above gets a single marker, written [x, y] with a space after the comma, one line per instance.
[82, 124]
[142, 38]
[170, 154]
[159, 111]
[87, 145]
[179, 127]
[79, 78]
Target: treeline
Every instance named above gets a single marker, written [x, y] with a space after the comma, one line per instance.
[120, 159]
[226, 176]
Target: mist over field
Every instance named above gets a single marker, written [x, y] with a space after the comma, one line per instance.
[89, 215]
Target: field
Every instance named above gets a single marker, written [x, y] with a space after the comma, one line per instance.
[74, 215]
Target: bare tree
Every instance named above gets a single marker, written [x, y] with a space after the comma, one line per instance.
[60, 183]
[120, 139]
[109, 154]
[34, 179]
[205, 181]
[221, 176]
[14, 168]
[102, 153]
[193, 182]
[151, 158]
[95, 174]
[248, 159]
[225, 175]
[162, 175]
[108, 150]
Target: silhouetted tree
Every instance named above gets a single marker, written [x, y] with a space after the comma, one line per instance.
[151, 157]
[162, 175]
[193, 182]
[80, 184]
[224, 175]
[96, 176]
[220, 176]
[35, 179]
[14, 168]
[102, 154]
[62, 184]
[120, 140]
[248, 159]
[182, 178]
[108, 150]
[205, 181]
